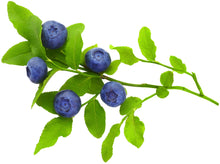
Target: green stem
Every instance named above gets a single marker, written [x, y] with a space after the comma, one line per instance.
[123, 119]
[193, 75]
[166, 66]
[156, 86]
[147, 98]
[197, 83]
[91, 99]
[145, 85]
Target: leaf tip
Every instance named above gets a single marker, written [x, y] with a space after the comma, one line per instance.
[111, 47]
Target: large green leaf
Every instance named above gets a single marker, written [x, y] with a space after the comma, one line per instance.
[19, 54]
[130, 104]
[146, 44]
[74, 44]
[46, 101]
[177, 64]
[95, 118]
[19, 15]
[55, 128]
[81, 84]
[29, 26]
[126, 54]
[166, 78]
[134, 130]
[42, 86]
[107, 145]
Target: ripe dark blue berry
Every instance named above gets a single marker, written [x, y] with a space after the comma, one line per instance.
[113, 94]
[67, 103]
[53, 34]
[36, 70]
[97, 60]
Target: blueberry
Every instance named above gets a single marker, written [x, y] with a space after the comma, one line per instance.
[53, 34]
[36, 70]
[97, 60]
[113, 94]
[67, 103]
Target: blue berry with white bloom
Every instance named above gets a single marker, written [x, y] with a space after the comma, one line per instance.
[67, 103]
[36, 70]
[97, 60]
[113, 94]
[53, 34]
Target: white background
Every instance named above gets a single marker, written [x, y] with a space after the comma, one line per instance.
[179, 129]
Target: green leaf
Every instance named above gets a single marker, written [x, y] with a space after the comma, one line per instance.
[162, 92]
[84, 53]
[42, 86]
[130, 104]
[95, 118]
[166, 78]
[81, 84]
[177, 64]
[46, 101]
[55, 128]
[113, 67]
[126, 54]
[57, 57]
[107, 145]
[74, 44]
[95, 86]
[19, 15]
[146, 44]
[134, 130]
[19, 54]
[28, 26]
[34, 27]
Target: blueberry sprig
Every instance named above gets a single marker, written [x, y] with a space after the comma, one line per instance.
[51, 46]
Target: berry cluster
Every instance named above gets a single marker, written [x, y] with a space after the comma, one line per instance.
[67, 103]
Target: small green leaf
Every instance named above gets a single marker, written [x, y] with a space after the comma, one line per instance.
[134, 130]
[95, 118]
[162, 92]
[146, 44]
[28, 26]
[46, 101]
[177, 64]
[81, 84]
[84, 53]
[166, 78]
[130, 104]
[107, 145]
[19, 54]
[74, 44]
[42, 86]
[113, 67]
[126, 54]
[55, 128]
